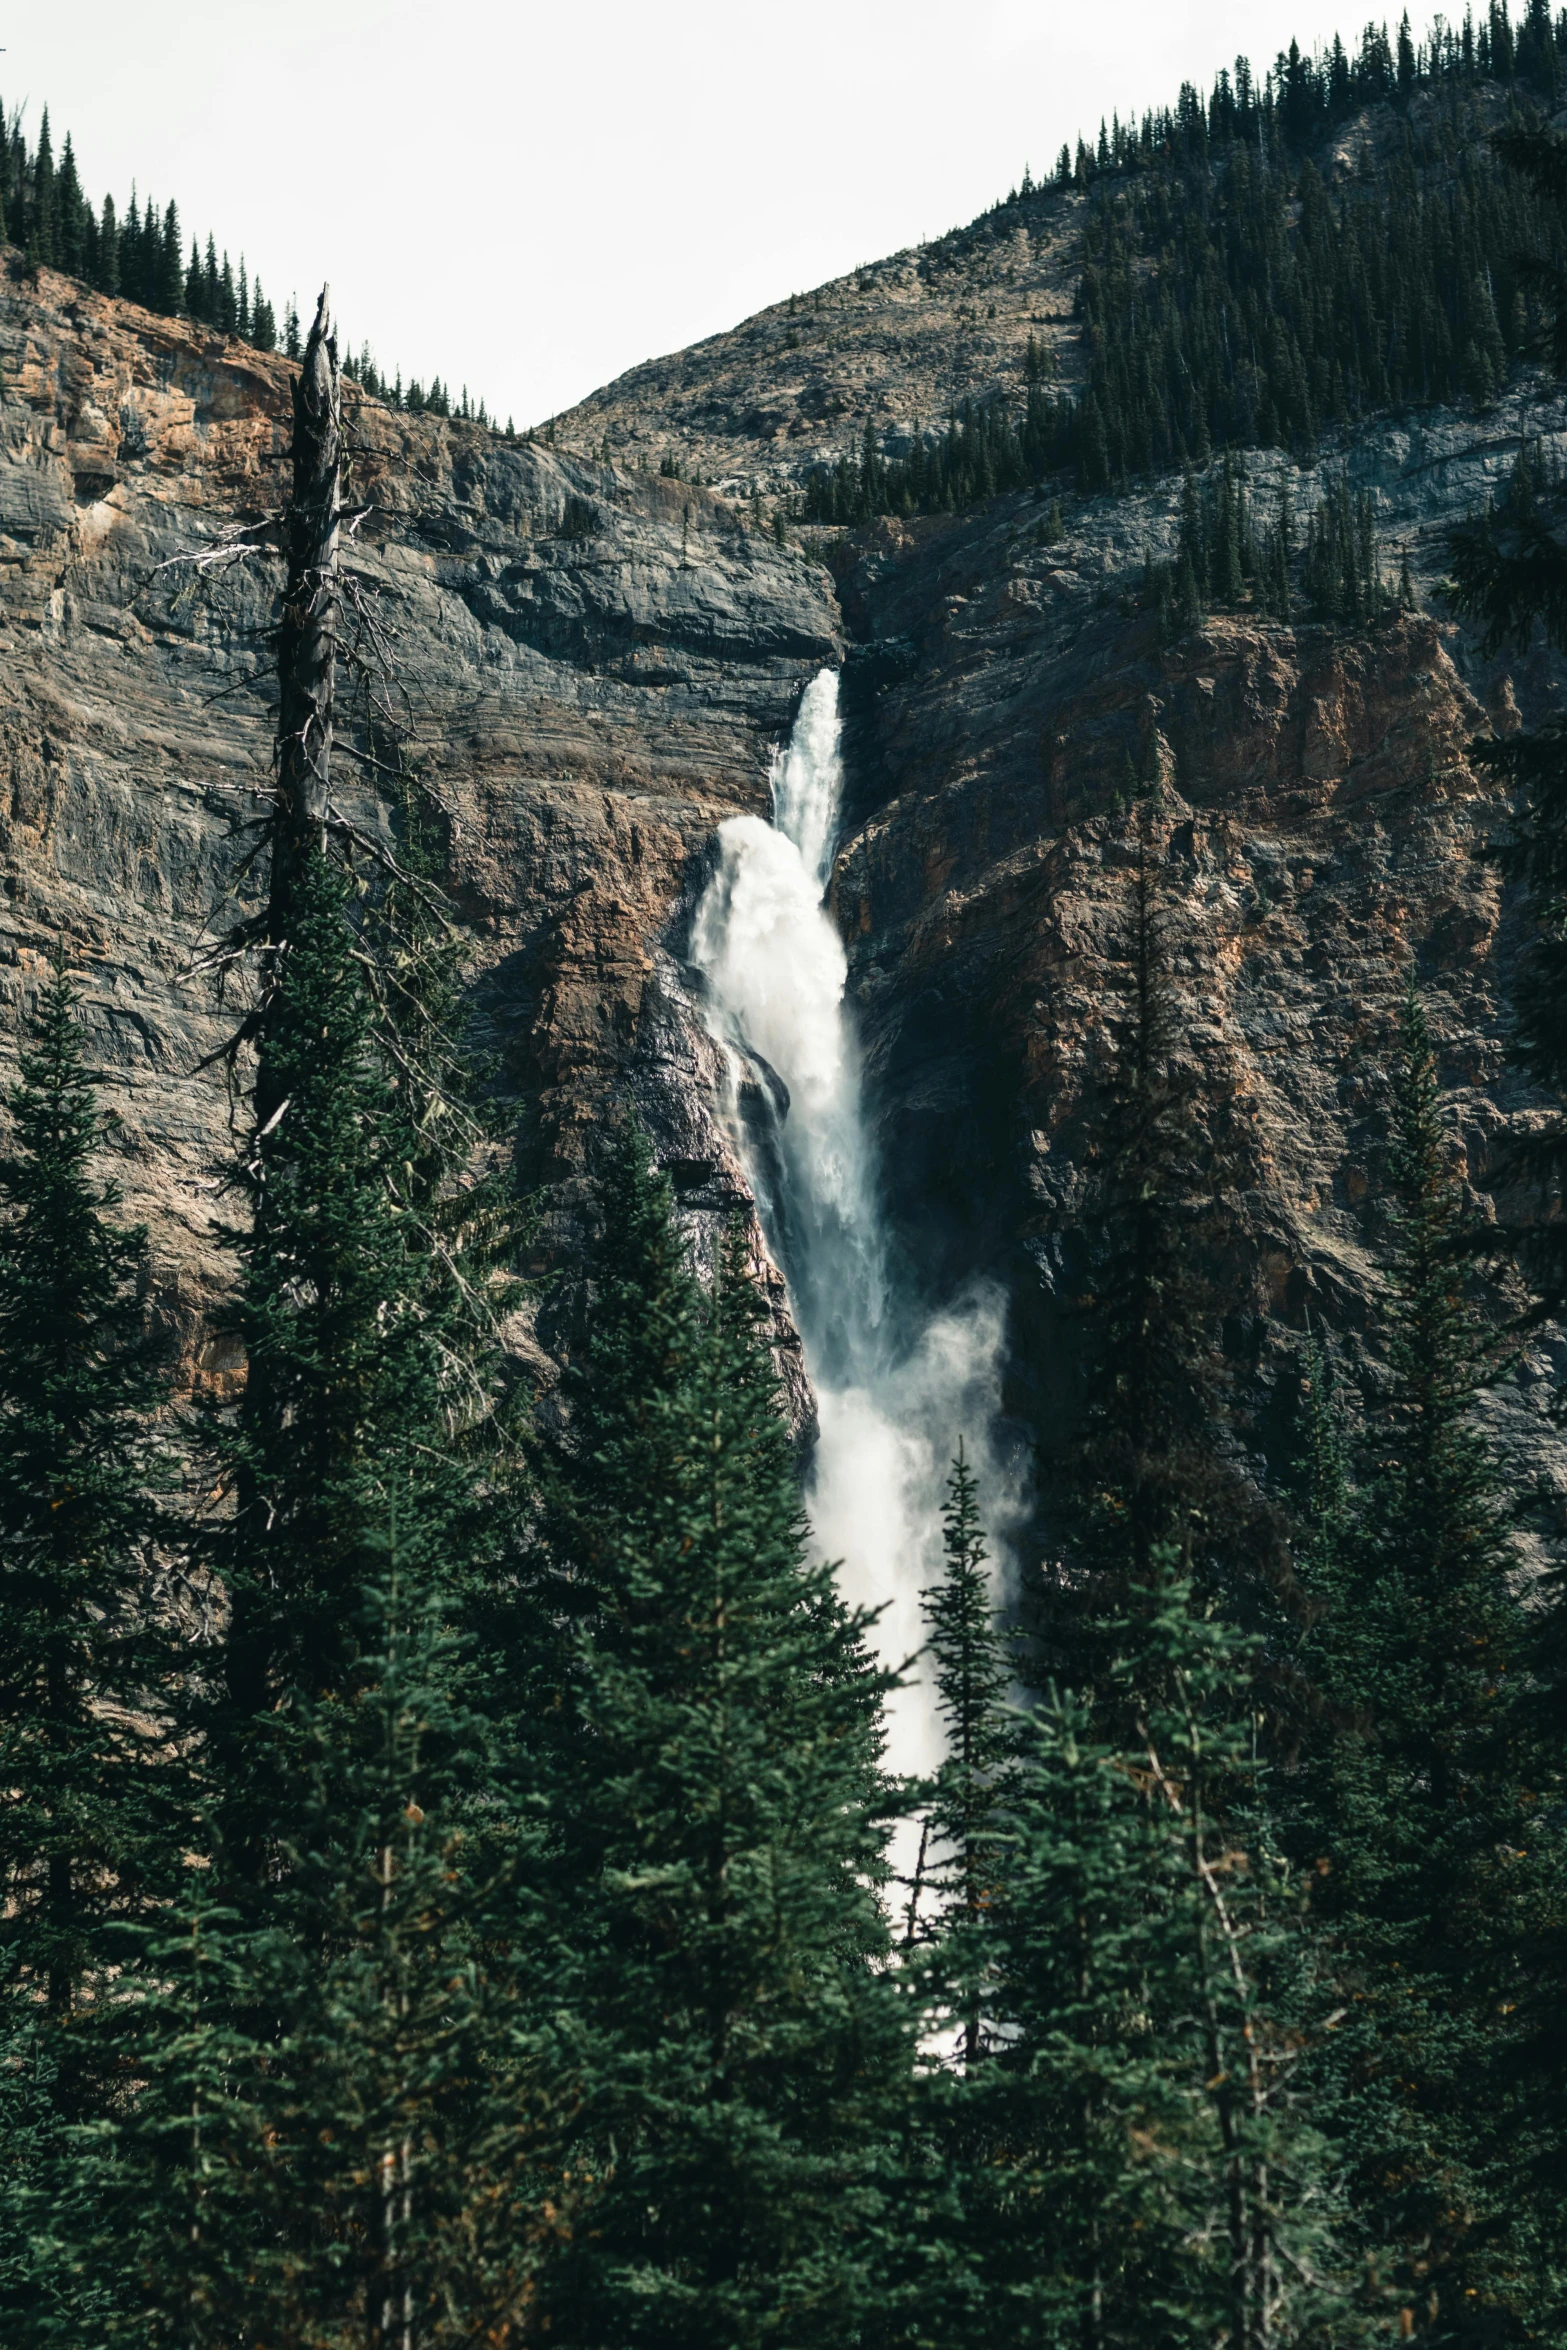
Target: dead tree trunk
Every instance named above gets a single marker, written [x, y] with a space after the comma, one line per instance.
[307, 668]
[307, 636]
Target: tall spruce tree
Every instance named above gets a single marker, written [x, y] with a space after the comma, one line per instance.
[1145, 2167]
[334, 2110]
[740, 2047]
[1154, 1462]
[91, 1814]
[1435, 1866]
[343, 1386]
[339, 2108]
[84, 1697]
[959, 1852]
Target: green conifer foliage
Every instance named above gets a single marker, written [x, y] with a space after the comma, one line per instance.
[43, 244]
[84, 1815]
[737, 2045]
[91, 1814]
[1435, 1864]
[338, 2112]
[168, 279]
[342, 1341]
[333, 2109]
[107, 274]
[1149, 2171]
[71, 214]
[1152, 1464]
[959, 1854]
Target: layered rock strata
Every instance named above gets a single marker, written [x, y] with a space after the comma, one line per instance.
[598, 664]
[595, 668]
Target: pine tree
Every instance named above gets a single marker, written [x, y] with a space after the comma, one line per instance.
[71, 215]
[1433, 1860]
[93, 1811]
[43, 243]
[81, 1660]
[107, 275]
[167, 292]
[1153, 1461]
[334, 2105]
[959, 1855]
[738, 2045]
[1147, 2166]
[343, 1348]
[340, 2099]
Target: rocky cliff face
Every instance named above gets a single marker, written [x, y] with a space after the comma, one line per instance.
[596, 666]
[600, 662]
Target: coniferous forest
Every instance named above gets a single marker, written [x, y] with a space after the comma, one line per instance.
[1230, 299]
[445, 1878]
[140, 254]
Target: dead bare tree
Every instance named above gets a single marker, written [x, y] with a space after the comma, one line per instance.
[307, 634]
[306, 652]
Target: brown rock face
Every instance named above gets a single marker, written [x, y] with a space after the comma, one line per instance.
[597, 668]
[599, 664]
[1322, 829]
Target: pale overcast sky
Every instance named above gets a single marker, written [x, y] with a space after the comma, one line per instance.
[530, 199]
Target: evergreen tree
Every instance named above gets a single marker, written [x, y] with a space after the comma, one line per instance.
[1149, 2169]
[739, 2048]
[1435, 1868]
[959, 1855]
[85, 1818]
[43, 243]
[71, 215]
[343, 1345]
[107, 275]
[331, 2146]
[92, 1814]
[344, 2017]
[1154, 1463]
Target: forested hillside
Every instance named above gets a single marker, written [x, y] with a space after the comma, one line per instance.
[453, 1889]
[1266, 267]
[141, 255]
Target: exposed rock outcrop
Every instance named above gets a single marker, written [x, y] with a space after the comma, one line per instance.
[596, 669]
[599, 663]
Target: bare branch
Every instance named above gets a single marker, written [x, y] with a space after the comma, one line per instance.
[235, 543]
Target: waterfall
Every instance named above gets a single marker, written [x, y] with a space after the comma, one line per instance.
[896, 1383]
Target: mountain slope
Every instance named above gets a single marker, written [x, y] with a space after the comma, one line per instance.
[894, 344]
[602, 660]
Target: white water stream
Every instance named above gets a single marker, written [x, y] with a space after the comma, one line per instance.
[896, 1385]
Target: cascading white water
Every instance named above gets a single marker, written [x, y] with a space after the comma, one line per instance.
[895, 1388]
